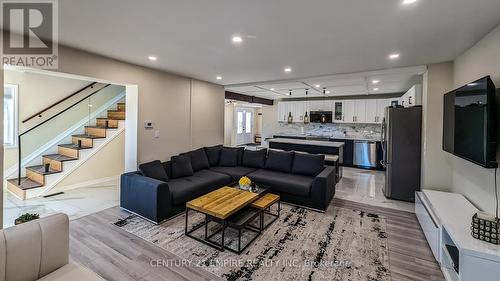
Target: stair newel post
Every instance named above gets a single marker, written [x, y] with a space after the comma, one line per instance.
[19, 160]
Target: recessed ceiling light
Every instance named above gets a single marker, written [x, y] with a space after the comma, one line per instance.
[375, 89]
[375, 81]
[317, 85]
[152, 58]
[406, 2]
[288, 69]
[327, 92]
[393, 56]
[272, 89]
[218, 77]
[237, 39]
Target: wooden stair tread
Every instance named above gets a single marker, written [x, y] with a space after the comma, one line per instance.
[25, 183]
[107, 118]
[83, 136]
[40, 169]
[74, 146]
[59, 157]
[100, 127]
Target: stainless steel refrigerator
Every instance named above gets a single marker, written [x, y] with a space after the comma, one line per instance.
[401, 143]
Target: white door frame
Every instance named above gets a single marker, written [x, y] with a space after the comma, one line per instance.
[247, 137]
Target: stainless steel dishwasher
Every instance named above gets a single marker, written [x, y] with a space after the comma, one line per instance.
[365, 153]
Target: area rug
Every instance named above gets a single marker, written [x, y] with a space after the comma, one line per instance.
[341, 244]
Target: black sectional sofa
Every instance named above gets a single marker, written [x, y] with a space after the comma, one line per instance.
[159, 191]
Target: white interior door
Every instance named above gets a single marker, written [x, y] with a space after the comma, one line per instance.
[244, 125]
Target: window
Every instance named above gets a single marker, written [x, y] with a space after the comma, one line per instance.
[248, 121]
[10, 115]
[239, 121]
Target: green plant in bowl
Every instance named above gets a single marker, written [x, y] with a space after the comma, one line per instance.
[26, 218]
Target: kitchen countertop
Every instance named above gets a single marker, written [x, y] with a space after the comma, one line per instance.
[307, 142]
[330, 137]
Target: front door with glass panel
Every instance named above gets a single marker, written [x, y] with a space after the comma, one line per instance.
[244, 126]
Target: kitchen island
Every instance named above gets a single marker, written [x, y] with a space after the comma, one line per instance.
[311, 146]
[350, 143]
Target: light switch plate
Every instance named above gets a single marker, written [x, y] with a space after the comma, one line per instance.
[157, 134]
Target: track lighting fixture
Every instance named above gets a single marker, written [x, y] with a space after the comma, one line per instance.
[289, 92]
[324, 91]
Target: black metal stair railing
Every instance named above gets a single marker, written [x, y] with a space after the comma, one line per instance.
[19, 137]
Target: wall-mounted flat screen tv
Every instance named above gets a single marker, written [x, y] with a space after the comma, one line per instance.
[469, 122]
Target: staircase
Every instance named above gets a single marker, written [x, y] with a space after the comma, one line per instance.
[36, 177]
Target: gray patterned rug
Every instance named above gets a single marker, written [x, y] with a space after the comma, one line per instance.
[342, 244]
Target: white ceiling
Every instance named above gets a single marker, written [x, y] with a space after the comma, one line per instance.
[313, 37]
[395, 80]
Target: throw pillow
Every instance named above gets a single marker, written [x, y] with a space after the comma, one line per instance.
[279, 161]
[154, 170]
[308, 164]
[213, 154]
[181, 166]
[199, 159]
[255, 159]
[228, 157]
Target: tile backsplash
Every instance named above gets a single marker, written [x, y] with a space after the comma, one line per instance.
[335, 130]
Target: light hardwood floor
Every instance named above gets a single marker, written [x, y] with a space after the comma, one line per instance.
[117, 255]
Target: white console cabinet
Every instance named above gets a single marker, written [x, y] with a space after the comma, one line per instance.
[445, 219]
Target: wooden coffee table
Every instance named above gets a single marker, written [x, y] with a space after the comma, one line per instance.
[219, 206]
[264, 204]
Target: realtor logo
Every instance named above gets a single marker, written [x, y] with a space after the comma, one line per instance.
[29, 33]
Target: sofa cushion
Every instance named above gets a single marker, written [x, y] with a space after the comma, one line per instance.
[279, 161]
[199, 159]
[181, 166]
[228, 157]
[235, 172]
[308, 164]
[254, 159]
[200, 183]
[154, 169]
[298, 185]
[213, 154]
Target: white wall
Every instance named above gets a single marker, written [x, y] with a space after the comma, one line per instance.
[441, 170]
[436, 164]
[269, 121]
[475, 182]
[108, 162]
[228, 124]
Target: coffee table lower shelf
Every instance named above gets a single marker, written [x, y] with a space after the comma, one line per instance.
[239, 222]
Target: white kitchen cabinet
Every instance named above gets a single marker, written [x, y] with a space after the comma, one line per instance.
[371, 111]
[375, 110]
[338, 111]
[299, 109]
[348, 111]
[381, 105]
[284, 107]
[359, 111]
[296, 108]
[412, 97]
